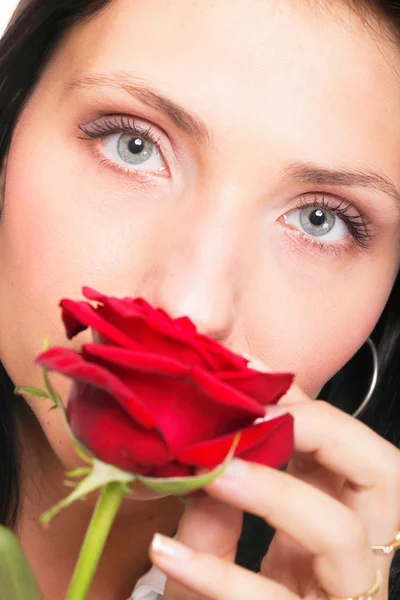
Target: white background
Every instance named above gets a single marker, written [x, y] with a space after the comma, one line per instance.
[6, 9]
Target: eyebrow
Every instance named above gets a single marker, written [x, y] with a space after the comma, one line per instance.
[195, 127]
[139, 89]
[366, 178]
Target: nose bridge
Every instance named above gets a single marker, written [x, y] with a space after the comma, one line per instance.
[201, 270]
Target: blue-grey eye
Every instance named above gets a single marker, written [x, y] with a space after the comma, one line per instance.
[317, 221]
[135, 150]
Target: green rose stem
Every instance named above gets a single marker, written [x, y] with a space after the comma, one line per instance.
[100, 524]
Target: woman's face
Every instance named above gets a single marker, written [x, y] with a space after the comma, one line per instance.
[236, 162]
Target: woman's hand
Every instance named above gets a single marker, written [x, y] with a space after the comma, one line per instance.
[340, 495]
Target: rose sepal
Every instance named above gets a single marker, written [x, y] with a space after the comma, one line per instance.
[99, 476]
[31, 391]
[179, 486]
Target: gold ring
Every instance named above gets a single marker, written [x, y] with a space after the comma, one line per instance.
[366, 596]
[388, 548]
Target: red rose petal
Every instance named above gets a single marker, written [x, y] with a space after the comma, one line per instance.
[278, 447]
[72, 326]
[71, 364]
[102, 425]
[77, 316]
[221, 358]
[159, 337]
[126, 325]
[92, 294]
[269, 443]
[163, 365]
[134, 360]
[188, 404]
[155, 330]
[267, 388]
[153, 371]
[187, 324]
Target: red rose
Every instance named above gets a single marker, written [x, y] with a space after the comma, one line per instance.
[152, 396]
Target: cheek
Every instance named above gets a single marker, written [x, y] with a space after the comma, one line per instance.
[52, 242]
[59, 231]
[52, 425]
[78, 228]
[55, 237]
[42, 260]
[313, 315]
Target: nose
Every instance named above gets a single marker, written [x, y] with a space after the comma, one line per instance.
[198, 279]
[204, 299]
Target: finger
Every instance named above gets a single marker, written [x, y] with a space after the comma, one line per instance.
[210, 526]
[311, 472]
[294, 395]
[211, 577]
[335, 536]
[324, 479]
[288, 563]
[325, 436]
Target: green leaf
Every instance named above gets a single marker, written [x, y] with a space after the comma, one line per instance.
[100, 475]
[177, 486]
[31, 391]
[17, 581]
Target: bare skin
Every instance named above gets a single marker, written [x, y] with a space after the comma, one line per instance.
[213, 225]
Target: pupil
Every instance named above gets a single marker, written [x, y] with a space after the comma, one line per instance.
[136, 145]
[317, 217]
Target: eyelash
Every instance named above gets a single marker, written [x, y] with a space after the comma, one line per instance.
[357, 224]
[119, 124]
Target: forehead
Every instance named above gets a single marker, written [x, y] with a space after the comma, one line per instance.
[281, 68]
[249, 35]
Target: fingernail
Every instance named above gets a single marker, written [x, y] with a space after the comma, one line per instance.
[168, 548]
